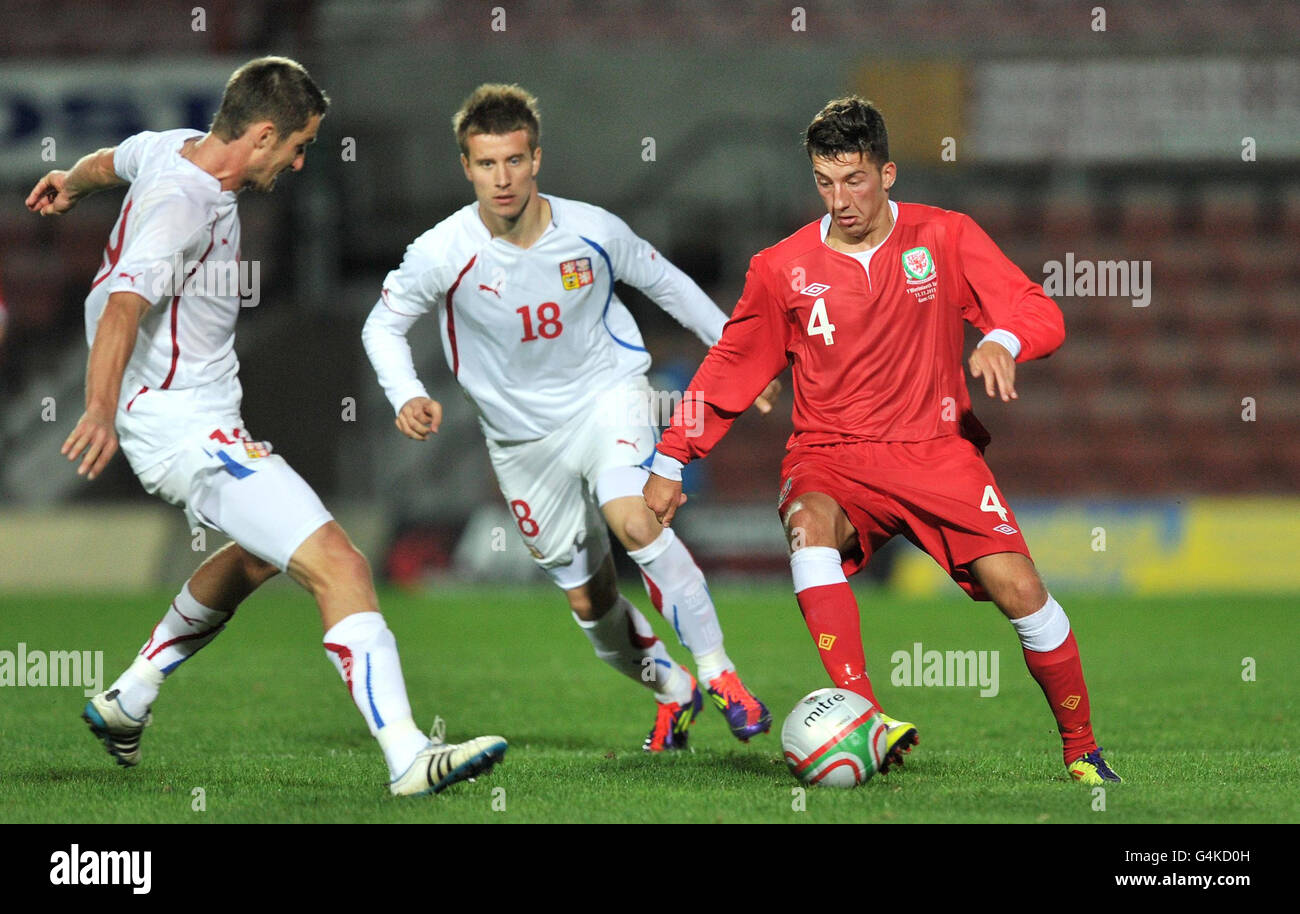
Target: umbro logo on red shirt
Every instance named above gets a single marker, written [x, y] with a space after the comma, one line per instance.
[814, 289]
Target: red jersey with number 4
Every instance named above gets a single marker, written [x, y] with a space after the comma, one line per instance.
[876, 354]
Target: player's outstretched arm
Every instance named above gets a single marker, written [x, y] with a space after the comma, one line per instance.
[992, 362]
[419, 418]
[59, 191]
[114, 342]
[663, 497]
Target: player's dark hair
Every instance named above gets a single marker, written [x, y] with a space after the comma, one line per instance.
[496, 109]
[274, 89]
[845, 126]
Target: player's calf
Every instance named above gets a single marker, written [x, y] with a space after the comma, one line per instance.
[622, 638]
[677, 589]
[678, 592]
[1052, 656]
[335, 573]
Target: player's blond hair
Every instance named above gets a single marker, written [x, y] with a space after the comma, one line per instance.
[274, 89]
[497, 109]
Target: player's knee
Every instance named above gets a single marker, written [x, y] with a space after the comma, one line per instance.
[328, 559]
[808, 527]
[640, 529]
[348, 563]
[1025, 593]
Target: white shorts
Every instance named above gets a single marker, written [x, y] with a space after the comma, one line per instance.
[554, 487]
[238, 487]
[152, 423]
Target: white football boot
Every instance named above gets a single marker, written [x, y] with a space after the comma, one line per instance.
[441, 764]
[119, 731]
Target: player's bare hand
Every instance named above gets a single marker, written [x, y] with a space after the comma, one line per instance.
[50, 196]
[663, 497]
[767, 399]
[992, 362]
[96, 436]
[419, 418]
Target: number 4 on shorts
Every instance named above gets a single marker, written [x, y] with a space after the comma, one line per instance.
[990, 503]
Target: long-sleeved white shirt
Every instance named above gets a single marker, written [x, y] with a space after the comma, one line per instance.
[175, 244]
[532, 335]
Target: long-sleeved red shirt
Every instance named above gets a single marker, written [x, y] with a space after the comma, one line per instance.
[875, 357]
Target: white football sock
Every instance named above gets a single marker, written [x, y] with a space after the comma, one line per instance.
[1045, 629]
[186, 627]
[137, 687]
[364, 652]
[816, 566]
[624, 639]
[676, 587]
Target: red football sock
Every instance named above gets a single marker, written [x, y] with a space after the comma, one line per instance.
[1060, 674]
[831, 614]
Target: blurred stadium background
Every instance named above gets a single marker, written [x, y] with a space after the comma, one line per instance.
[1159, 451]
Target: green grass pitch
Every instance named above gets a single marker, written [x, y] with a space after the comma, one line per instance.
[260, 722]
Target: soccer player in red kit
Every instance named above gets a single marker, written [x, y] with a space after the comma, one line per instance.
[867, 306]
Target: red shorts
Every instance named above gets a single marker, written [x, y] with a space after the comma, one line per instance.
[940, 494]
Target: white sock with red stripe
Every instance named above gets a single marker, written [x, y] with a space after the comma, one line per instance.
[187, 627]
[624, 639]
[364, 651]
[137, 687]
[677, 589]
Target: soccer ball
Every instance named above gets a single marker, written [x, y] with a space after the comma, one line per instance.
[833, 738]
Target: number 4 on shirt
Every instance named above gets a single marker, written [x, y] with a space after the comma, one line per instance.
[818, 322]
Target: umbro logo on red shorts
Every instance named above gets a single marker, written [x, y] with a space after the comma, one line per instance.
[1005, 528]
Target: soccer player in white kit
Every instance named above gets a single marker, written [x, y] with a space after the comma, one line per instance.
[522, 286]
[163, 381]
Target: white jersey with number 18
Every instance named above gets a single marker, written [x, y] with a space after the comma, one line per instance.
[532, 335]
